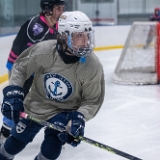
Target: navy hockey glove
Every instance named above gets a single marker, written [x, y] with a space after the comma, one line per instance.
[12, 102]
[75, 128]
[61, 120]
[67, 138]
[77, 124]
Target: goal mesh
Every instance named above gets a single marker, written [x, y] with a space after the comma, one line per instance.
[139, 60]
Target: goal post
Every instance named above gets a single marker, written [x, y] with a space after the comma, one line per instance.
[158, 51]
[139, 62]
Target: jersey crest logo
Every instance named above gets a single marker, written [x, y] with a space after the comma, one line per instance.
[20, 127]
[37, 29]
[57, 87]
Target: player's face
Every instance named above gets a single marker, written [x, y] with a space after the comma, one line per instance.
[80, 39]
[80, 43]
[57, 11]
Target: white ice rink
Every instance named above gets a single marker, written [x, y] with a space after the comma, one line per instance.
[129, 120]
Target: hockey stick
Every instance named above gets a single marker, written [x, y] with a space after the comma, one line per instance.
[84, 139]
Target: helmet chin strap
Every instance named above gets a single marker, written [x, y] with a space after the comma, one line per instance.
[68, 51]
[66, 48]
[68, 59]
[81, 59]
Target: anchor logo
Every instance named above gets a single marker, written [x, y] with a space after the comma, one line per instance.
[57, 87]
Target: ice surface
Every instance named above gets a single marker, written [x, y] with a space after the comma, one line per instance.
[129, 120]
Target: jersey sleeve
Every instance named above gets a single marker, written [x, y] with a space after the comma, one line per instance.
[17, 46]
[33, 58]
[37, 56]
[23, 67]
[93, 91]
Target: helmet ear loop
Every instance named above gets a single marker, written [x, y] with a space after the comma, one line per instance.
[69, 42]
[47, 10]
[47, 13]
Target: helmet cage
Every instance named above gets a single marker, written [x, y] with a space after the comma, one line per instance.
[80, 51]
[74, 22]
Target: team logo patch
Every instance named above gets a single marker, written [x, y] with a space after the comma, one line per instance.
[57, 87]
[20, 127]
[37, 29]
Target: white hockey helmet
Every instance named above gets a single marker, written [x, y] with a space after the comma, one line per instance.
[76, 22]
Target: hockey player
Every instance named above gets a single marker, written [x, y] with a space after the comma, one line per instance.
[67, 90]
[154, 17]
[39, 28]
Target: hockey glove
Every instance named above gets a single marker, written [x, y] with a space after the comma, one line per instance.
[12, 102]
[61, 120]
[67, 138]
[73, 125]
[76, 127]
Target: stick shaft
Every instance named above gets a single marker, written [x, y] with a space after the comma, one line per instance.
[84, 139]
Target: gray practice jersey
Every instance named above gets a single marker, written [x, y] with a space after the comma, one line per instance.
[58, 86]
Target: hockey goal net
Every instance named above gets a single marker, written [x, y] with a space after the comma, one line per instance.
[139, 62]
